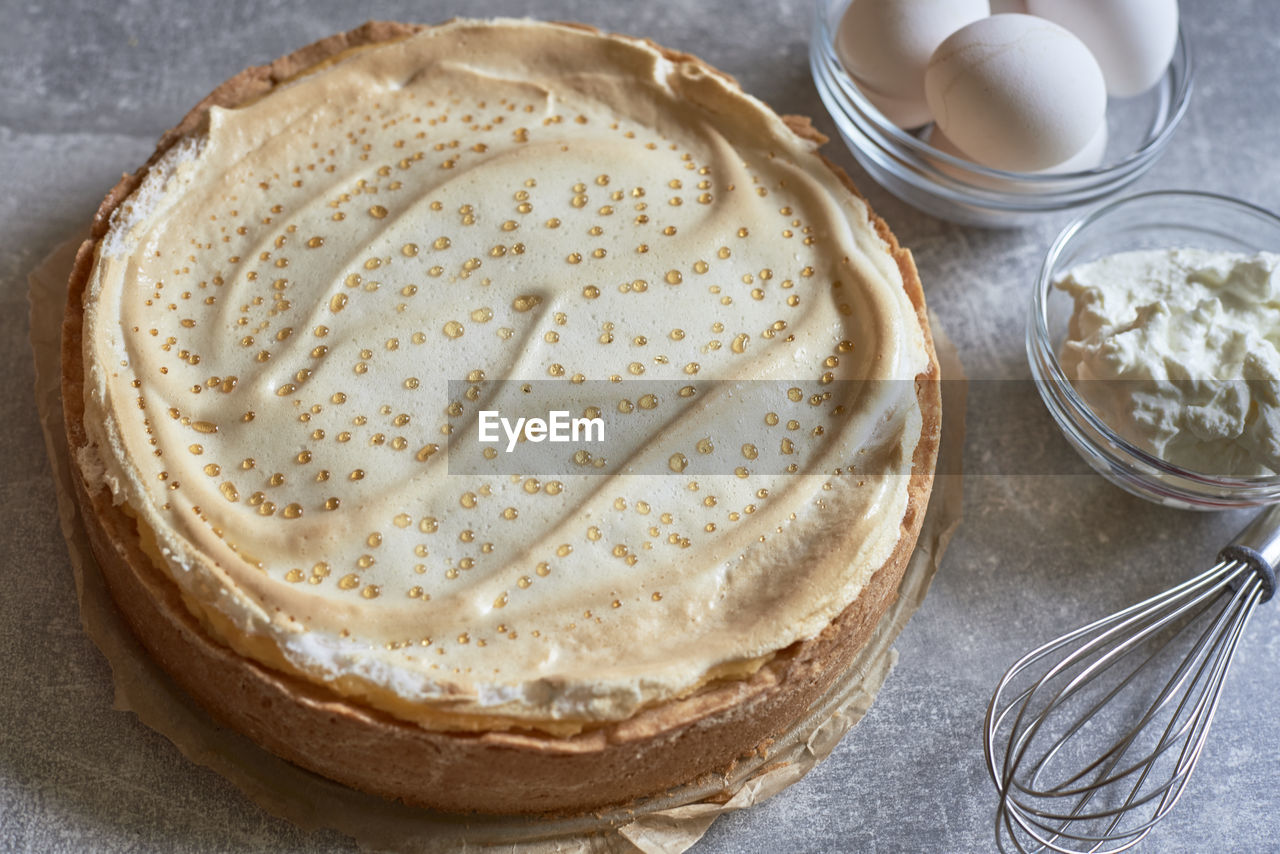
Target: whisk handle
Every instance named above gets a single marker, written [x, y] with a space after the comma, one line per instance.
[1258, 545]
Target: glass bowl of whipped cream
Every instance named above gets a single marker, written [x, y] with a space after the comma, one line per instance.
[928, 172]
[1153, 341]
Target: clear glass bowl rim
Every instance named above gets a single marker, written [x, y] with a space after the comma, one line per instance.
[1045, 367]
[963, 184]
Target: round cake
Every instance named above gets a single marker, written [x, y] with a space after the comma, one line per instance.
[288, 327]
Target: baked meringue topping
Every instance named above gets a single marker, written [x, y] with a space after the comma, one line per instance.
[273, 320]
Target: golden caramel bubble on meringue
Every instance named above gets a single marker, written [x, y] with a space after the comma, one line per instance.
[274, 318]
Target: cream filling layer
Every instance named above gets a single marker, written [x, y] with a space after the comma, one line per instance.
[272, 322]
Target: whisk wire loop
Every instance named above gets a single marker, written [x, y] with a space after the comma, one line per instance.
[1056, 794]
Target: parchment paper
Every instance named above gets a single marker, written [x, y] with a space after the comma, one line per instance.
[668, 824]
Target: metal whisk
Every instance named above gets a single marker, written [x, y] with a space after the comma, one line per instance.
[1089, 740]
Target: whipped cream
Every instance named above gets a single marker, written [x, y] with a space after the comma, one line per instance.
[1176, 349]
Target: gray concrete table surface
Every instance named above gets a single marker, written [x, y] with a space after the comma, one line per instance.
[86, 87]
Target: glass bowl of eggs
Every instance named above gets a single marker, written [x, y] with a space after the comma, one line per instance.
[1149, 340]
[1096, 118]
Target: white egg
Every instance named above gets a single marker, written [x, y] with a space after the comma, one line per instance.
[1089, 157]
[886, 44]
[903, 112]
[1016, 92]
[1133, 40]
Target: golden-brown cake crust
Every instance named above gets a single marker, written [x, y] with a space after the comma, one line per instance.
[501, 772]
